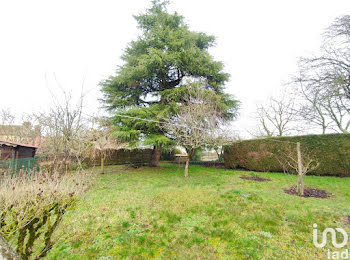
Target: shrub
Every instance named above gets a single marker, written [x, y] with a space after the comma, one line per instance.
[31, 209]
[51, 166]
[169, 154]
[80, 166]
[332, 151]
[197, 155]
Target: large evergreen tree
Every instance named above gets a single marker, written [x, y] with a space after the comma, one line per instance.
[157, 66]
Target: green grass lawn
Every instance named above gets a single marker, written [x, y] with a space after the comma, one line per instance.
[157, 213]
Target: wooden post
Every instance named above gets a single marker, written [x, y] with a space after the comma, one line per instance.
[300, 187]
[187, 165]
[13, 161]
[28, 167]
[102, 162]
[16, 161]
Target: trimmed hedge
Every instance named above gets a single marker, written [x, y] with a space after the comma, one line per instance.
[123, 156]
[209, 164]
[332, 151]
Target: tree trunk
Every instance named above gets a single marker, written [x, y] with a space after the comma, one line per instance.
[63, 166]
[300, 187]
[186, 166]
[6, 251]
[190, 153]
[102, 163]
[155, 158]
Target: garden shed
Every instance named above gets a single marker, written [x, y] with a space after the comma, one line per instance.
[12, 150]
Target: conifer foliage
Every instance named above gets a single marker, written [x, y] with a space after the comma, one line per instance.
[156, 68]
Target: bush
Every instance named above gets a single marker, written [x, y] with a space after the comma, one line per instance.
[80, 166]
[332, 151]
[51, 166]
[169, 154]
[197, 155]
[31, 209]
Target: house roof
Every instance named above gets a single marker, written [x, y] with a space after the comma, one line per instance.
[15, 144]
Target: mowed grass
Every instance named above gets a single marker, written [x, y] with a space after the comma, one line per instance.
[157, 213]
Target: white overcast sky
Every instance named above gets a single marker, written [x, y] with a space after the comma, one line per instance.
[258, 41]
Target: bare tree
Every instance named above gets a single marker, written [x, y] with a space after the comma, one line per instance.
[276, 118]
[313, 110]
[65, 131]
[222, 136]
[24, 132]
[7, 117]
[340, 28]
[301, 162]
[338, 109]
[326, 78]
[197, 123]
[327, 107]
[104, 141]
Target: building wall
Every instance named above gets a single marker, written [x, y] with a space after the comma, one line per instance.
[23, 152]
[5, 152]
[26, 152]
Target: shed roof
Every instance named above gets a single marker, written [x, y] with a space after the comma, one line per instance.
[15, 144]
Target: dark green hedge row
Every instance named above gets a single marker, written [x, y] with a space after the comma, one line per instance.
[123, 156]
[209, 164]
[332, 151]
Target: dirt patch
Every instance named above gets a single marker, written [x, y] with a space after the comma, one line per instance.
[254, 178]
[347, 220]
[308, 192]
